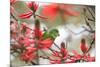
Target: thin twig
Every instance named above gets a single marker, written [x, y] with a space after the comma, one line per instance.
[91, 13]
[76, 33]
[90, 45]
[14, 17]
[56, 45]
[91, 31]
[51, 50]
[41, 16]
[85, 17]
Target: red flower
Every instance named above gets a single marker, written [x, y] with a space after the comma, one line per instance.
[26, 15]
[32, 5]
[28, 42]
[52, 10]
[56, 53]
[90, 59]
[44, 44]
[61, 56]
[38, 33]
[64, 51]
[76, 57]
[25, 41]
[85, 57]
[29, 54]
[83, 46]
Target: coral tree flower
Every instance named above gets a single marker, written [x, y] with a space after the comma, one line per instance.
[28, 42]
[38, 33]
[52, 10]
[84, 57]
[60, 56]
[83, 46]
[32, 5]
[29, 54]
[44, 44]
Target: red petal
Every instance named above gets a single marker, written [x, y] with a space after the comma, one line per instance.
[84, 48]
[31, 49]
[35, 6]
[55, 53]
[27, 41]
[32, 5]
[29, 4]
[45, 43]
[38, 33]
[75, 52]
[26, 15]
